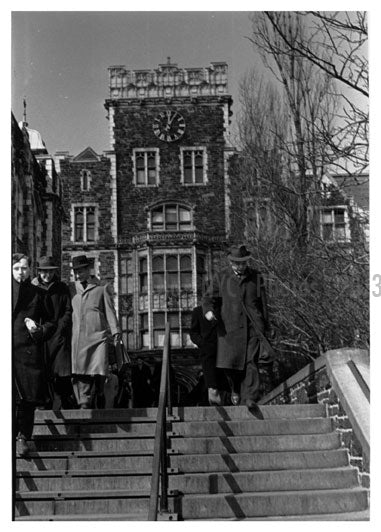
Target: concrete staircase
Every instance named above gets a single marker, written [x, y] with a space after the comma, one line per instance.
[277, 463]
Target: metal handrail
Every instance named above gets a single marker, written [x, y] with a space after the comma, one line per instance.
[159, 463]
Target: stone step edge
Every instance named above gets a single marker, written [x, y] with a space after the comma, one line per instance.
[126, 494]
[98, 517]
[85, 494]
[360, 515]
[59, 473]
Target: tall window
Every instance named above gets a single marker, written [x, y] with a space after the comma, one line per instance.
[334, 224]
[171, 217]
[146, 167]
[84, 224]
[85, 180]
[193, 166]
[171, 298]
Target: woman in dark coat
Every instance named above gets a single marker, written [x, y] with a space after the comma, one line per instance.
[30, 328]
[57, 302]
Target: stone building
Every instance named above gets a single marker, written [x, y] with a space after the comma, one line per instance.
[153, 211]
[36, 195]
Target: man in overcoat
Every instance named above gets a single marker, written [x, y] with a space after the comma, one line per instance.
[58, 348]
[236, 301]
[94, 319]
[30, 327]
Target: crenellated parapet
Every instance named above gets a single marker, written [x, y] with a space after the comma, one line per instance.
[168, 81]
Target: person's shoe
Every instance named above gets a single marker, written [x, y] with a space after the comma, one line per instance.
[84, 407]
[214, 397]
[22, 448]
[235, 398]
[251, 404]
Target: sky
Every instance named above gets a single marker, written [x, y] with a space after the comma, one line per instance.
[60, 60]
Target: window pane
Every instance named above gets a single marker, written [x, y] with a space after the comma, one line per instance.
[157, 216]
[327, 217]
[158, 281]
[159, 320]
[129, 265]
[143, 282]
[144, 338]
[172, 281]
[140, 177]
[130, 285]
[185, 263]
[175, 339]
[340, 232]
[184, 215]
[171, 214]
[327, 232]
[123, 266]
[152, 177]
[151, 158]
[339, 216]
[173, 319]
[158, 263]
[158, 338]
[187, 175]
[143, 321]
[131, 340]
[130, 323]
[172, 263]
[186, 319]
[199, 175]
[187, 342]
[123, 285]
[143, 265]
[186, 281]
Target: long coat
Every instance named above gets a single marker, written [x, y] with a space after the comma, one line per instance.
[28, 358]
[58, 306]
[238, 303]
[94, 319]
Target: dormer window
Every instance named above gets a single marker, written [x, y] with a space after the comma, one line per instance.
[85, 180]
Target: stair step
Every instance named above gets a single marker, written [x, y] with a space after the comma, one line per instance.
[281, 503]
[126, 415]
[254, 427]
[82, 503]
[87, 429]
[99, 444]
[229, 413]
[259, 461]
[362, 515]
[192, 483]
[237, 444]
[98, 517]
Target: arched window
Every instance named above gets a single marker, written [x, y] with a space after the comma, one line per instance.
[171, 217]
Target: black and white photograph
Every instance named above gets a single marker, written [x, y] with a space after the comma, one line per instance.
[190, 241]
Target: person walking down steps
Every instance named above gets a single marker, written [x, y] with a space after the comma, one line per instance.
[94, 319]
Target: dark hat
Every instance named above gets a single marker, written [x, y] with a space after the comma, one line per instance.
[46, 263]
[239, 254]
[81, 261]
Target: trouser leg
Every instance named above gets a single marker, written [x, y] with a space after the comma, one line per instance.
[234, 378]
[250, 382]
[82, 387]
[99, 397]
[63, 389]
[24, 419]
[208, 363]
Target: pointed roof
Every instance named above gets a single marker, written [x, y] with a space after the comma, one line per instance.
[88, 155]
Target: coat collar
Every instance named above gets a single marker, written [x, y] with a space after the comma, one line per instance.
[92, 282]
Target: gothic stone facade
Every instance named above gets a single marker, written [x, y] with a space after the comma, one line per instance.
[153, 211]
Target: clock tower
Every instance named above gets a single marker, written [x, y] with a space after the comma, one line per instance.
[169, 152]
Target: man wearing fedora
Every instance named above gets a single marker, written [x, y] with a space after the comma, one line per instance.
[94, 319]
[236, 300]
[57, 302]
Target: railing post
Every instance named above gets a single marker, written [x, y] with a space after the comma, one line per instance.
[164, 471]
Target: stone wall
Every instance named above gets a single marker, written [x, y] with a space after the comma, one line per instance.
[312, 385]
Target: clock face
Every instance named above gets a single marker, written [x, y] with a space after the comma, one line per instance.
[169, 126]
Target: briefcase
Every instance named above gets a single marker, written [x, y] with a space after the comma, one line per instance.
[123, 360]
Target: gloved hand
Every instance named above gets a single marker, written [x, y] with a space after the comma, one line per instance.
[117, 338]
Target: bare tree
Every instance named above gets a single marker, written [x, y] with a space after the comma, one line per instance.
[337, 46]
[318, 288]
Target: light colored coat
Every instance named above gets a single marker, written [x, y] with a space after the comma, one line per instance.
[94, 319]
